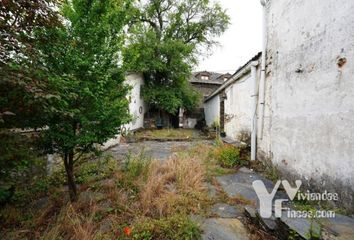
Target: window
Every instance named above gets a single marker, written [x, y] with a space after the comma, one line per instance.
[141, 91]
[204, 77]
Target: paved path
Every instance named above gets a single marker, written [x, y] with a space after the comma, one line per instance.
[157, 150]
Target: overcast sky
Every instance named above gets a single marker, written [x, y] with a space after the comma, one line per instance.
[241, 41]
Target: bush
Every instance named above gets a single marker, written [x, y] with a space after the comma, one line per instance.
[228, 156]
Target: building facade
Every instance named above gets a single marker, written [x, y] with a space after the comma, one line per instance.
[230, 105]
[205, 83]
[305, 124]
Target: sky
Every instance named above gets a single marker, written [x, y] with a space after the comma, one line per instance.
[240, 42]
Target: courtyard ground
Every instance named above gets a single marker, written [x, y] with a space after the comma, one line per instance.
[190, 188]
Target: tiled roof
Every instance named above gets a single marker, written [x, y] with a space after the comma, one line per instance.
[214, 78]
[233, 77]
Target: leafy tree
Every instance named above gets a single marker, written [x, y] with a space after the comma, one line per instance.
[23, 87]
[88, 103]
[166, 37]
[22, 78]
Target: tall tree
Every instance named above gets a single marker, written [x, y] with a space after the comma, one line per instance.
[166, 38]
[89, 101]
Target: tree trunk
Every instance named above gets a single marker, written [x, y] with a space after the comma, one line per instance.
[69, 168]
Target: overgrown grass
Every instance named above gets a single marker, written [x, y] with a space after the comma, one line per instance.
[168, 133]
[138, 198]
[173, 227]
[151, 198]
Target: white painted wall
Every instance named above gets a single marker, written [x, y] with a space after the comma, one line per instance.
[190, 123]
[212, 110]
[309, 112]
[238, 107]
[136, 102]
[135, 80]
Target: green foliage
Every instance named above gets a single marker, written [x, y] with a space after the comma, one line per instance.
[216, 124]
[293, 235]
[96, 170]
[173, 227]
[165, 39]
[272, 172]
[228, 156]
[23, 79]
[90, 105]
[314, 232]
[136, 165]
[18, 162]
[86, 80]
[17, 154]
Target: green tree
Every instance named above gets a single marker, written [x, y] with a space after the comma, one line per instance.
[23, 87]
[22, 78]
[166, 39]
[88, 103]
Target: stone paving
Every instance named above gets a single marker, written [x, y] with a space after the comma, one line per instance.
[227, 222]
[240, 184]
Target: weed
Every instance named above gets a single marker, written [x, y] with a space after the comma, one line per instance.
[228, 156]
[172, 227]
[136, 165]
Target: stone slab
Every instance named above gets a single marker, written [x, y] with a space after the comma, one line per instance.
[240, 184]
[223, 210]
[342, 227]
[224, 229]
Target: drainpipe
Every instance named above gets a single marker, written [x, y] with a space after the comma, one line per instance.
[254, 96]
[263, 69]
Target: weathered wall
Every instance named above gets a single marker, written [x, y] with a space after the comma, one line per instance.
[309, 114]
[212, 110]
[238, 107]
[137, 106]
[136, 101]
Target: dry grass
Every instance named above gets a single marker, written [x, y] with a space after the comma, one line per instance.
[72, 224]
[177, 184]
[168, 133]
[138, 195]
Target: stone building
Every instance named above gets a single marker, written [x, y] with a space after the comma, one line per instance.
[205, 83]
[230, 105]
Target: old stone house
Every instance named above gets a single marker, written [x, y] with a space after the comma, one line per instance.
[205, 83]
[230, 104]
[303, 97]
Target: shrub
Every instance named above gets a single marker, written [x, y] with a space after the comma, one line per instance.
[228, 156]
